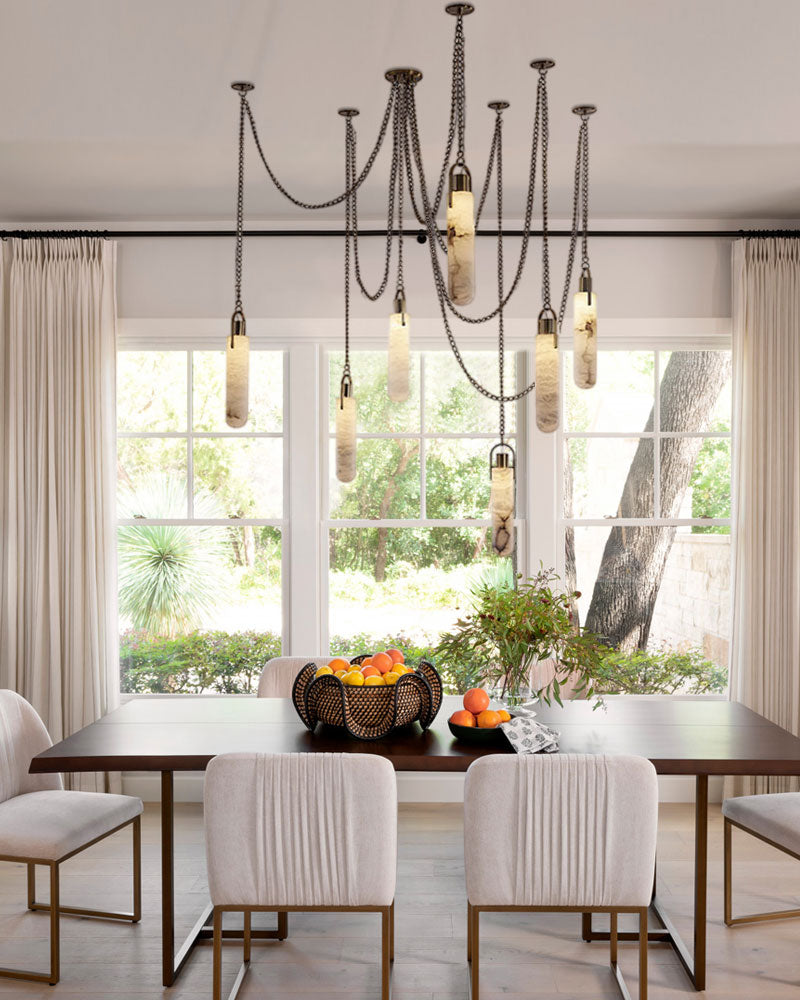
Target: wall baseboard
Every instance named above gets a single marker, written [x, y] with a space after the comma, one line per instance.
[412, 786]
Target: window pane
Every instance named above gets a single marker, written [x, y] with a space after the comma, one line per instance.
[451, 403]
[177, 635]
[696, 478]
[621, 401]
[608, 477]
[403, 586]
[151, 390]
[151, 477]
[457, 481]
[695, 392]
[266, 391]
[387, 483]
[662, 600]
[377, 414]
[237, 477]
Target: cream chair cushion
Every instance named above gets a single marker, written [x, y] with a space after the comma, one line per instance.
[560, 830]
[775, 816]
[22, 736]
[50, 824]
[278, 675]
[314, 829]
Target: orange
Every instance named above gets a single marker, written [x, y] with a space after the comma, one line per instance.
[462, 718]
[371, 672]
[374, 680]
[504, 715]
[340, 673]
[488, 719]
[321, 671]
[476, 700]
[391, 678]
[366, 662]
[355, 679]
[396, 655]
[338, 663]
[383, 662]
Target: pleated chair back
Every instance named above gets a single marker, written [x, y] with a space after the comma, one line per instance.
[560, 830]
[22, 736]
[278, 675]
[317, 829]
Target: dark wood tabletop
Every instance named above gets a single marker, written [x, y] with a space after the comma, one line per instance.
[183, 733]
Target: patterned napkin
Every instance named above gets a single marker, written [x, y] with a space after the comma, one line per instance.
[526, 735]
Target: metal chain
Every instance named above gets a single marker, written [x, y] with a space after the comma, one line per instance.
[349, 190]
[545, 194]
[459, 82]
[573, 239]
[438, 277]
[397, 158]
[349, 144]
[501, 346]
[488, 177]
[585, 241]
[237, 281]
[373, 297]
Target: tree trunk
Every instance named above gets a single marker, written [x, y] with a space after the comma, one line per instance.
[634, 559]
[407, 452]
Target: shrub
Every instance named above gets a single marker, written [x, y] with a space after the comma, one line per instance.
[665, 671]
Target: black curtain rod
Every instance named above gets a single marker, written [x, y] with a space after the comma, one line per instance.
[420, 235]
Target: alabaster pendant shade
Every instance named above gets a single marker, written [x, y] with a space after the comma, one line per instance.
[237, 378]
[546, 382]
[398, 357]
[501, 507]
[461, 247]
[585, 345]
[346, 439]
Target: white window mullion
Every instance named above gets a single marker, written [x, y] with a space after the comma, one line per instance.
[657, 438]
[423, 442]
[189, 429]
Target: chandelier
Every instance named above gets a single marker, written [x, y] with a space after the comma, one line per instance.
[455, 285]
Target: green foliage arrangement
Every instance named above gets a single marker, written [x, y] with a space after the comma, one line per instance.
[665, 671]
[510, 629]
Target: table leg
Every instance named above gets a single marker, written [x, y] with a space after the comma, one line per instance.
[167, 879]
[694, 965]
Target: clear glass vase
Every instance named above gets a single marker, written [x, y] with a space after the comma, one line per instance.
[519, 702]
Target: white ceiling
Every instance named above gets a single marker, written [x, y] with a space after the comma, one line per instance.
[121, 110]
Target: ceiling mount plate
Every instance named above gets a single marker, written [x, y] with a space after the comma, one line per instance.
[498, 105]
[242, 86]
[349, 112]
[543, 63]
[459, 9]
[584, 109]
[403, 73]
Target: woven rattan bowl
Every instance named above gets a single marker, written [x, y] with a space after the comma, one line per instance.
[368, 713]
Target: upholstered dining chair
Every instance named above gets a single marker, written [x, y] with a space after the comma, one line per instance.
[42, 824]
[566, 833]
[773, 818]
[278, 675]
[300, 832]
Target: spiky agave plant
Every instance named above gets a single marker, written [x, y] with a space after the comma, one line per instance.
[168, 573]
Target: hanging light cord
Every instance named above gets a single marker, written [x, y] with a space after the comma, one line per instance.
[347, 378]
[237, 280]
[542, 88]
[497, 146]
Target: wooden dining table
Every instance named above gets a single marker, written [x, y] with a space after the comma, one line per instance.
[696, 737]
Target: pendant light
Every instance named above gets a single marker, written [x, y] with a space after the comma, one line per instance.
[584, 314]
[547, 376]
[502, 464]
[237, 353]
[346, 406]
[460, 236]
[398, 352]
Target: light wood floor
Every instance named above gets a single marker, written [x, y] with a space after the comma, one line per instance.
[335, 956]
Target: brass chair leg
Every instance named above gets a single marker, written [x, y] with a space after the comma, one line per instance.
[750, 918]
[386, 965]
[474, 965]
[643, 954]
[217, 973]
[55, 914]
[31, 885]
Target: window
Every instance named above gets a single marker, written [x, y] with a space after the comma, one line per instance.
[201, 513]
[645, 513]
[408, 538]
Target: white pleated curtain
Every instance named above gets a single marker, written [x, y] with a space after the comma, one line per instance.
[765, 652]
[58, 619]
